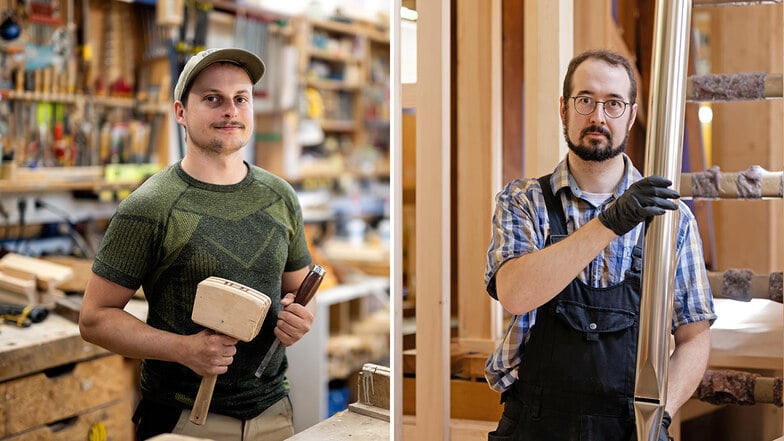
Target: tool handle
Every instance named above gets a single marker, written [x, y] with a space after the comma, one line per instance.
[309, 286]
[202, 404]
[307, 289]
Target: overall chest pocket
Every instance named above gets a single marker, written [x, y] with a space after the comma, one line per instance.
[594, 321]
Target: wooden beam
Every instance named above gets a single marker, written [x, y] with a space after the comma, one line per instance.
[433, 225]
[475, 143]
[513, 65]
[548, 49]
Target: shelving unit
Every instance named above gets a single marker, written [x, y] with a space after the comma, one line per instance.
[98, 100]
[344, 76]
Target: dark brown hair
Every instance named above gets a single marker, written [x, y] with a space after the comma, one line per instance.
[609, 57]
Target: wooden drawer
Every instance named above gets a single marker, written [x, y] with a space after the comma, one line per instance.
[116, 419]
[63, 392]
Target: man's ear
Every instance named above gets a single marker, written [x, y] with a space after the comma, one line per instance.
[562, 109]
[179, 113]
[632, 116]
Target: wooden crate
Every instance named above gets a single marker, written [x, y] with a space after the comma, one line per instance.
[114, 417]
[62, 393]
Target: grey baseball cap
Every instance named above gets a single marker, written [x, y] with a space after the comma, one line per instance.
[200, 61]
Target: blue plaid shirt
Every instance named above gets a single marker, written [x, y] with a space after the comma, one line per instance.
[521, 225]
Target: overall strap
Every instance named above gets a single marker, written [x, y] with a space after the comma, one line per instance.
[554, 211]
[637, 251]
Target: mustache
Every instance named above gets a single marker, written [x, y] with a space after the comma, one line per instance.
[598, 129]
[223, 125]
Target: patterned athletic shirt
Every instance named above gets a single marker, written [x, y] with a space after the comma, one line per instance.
[173, 232]
[520, 226]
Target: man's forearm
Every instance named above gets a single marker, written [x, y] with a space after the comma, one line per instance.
[687, 367]
[529, 281]
[124, 334]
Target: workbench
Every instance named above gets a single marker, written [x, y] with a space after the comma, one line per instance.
[56, 386]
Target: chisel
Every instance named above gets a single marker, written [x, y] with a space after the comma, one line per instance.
[305, 292]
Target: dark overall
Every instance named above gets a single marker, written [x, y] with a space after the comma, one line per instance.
[577, 372]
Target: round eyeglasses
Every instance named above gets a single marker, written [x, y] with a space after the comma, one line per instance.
[585, 105]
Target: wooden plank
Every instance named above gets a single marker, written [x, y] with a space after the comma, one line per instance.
[52, 342]
[460, 430]
[475, 127]
[374, 386]
[343, 426]
[473, 400]
[548, 49]
[47, 274]
[433, 260]
[593, 25]
[82, 270]
[26, 287]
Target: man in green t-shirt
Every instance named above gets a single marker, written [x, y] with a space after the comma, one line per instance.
[210, 214]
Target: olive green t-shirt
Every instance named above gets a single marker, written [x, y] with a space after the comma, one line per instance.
[175, 231]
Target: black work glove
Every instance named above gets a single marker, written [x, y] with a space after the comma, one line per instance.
[664, 432]
[645, 198]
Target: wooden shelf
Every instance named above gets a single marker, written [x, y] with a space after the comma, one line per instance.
[44, 179]
[333, 56]
[336, 125]
[71, 98]
[324, 83]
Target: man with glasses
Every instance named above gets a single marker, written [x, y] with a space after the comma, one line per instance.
[565, 261]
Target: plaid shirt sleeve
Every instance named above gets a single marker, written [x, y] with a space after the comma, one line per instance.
[514, 233]
[692, 300]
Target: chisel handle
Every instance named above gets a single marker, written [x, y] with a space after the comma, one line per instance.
[202, 404]
[309, 286]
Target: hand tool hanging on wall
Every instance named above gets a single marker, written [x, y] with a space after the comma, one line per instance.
[10, 29]
[182, 47]
[200, 32]
[88, 80]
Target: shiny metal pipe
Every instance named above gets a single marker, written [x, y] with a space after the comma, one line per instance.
[663, 146]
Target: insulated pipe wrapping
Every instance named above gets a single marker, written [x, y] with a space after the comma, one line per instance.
[743, 285]
[726, 386]
[663, 157]
[752, 183]
[747, 86]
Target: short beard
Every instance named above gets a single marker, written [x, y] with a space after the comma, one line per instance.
[594, 152]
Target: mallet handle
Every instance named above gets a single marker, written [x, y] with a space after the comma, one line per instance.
[202, 404]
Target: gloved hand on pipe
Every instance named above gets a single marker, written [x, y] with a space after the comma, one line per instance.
[645, 198]
[664, 432]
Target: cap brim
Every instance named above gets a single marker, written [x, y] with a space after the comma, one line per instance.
[245, 59]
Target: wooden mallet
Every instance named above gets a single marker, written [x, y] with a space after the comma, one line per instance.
[229, 308]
